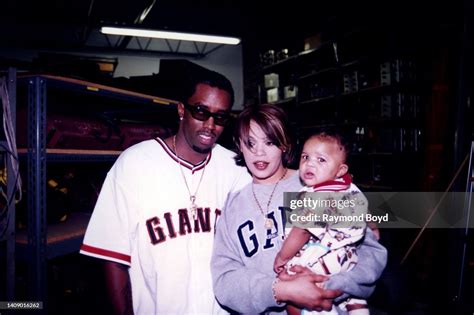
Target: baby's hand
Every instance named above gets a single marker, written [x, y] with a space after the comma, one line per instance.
[279, 264]
[373, 226]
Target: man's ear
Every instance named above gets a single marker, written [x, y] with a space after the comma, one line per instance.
[180, 110]
[343, 168]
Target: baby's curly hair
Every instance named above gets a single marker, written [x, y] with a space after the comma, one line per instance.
[335, 136]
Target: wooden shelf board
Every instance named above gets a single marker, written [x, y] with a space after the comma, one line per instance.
[279, 63]
[95, 87]
[75, 152]
[74, 226]
[283, 101]
[316, 100]
[316, 73]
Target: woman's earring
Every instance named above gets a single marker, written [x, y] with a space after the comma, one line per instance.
[180, 117]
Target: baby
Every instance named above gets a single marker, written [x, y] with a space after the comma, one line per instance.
[327, 246]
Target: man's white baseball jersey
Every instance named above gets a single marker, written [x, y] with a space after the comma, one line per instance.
[142, 220]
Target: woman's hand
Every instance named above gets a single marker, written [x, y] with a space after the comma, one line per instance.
[301, 289]
[300, 270]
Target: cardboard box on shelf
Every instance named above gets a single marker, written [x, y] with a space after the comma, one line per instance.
[290, 91]
[273, 95]
[271, 81]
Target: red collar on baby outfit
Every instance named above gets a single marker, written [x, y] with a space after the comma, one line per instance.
[339, 184]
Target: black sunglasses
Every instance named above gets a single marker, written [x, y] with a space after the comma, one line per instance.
[202, 114]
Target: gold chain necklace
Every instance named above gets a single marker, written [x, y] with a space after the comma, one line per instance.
[192, 197]
[268, 222]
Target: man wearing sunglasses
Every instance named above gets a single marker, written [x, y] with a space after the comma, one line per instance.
[153, 223]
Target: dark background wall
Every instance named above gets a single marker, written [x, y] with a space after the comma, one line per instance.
[438, 36]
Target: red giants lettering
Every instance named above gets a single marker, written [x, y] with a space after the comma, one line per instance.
[184, 223]
[169, 223]
[155, 231]
[204, 221]
[158, 229]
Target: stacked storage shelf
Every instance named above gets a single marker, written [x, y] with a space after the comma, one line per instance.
[43, 96]
[370, 84]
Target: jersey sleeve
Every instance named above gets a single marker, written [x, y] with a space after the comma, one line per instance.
[237, 286]
[108, 233]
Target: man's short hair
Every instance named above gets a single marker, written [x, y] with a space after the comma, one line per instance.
[208, 77]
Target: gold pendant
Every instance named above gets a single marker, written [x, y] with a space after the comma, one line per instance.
[193, 207]
[268, 224]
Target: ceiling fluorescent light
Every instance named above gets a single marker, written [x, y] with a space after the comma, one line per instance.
[124, 31]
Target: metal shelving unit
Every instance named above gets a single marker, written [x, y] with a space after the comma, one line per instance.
[76, 155]
[370, 88]
[9, 219]
[40, 243]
